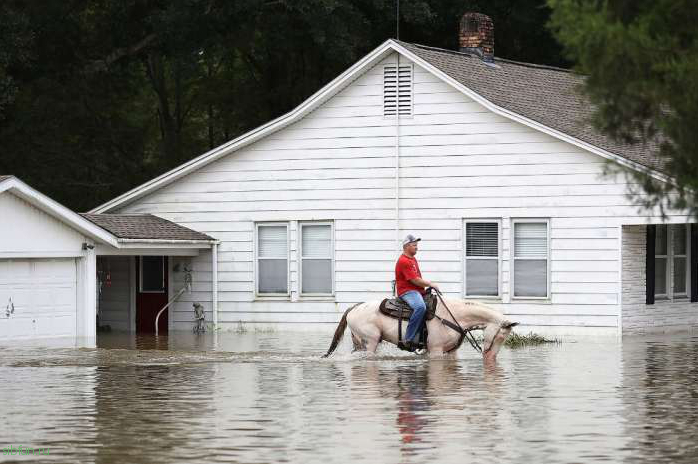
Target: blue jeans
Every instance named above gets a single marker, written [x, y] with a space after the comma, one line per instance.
[419, 310]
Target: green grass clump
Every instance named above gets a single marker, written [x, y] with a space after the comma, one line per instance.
[519, 341]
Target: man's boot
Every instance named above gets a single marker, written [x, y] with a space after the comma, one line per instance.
[406, 346]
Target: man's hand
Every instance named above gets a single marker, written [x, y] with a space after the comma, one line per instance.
[419, 282]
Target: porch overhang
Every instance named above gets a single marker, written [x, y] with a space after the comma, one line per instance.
[148, 235]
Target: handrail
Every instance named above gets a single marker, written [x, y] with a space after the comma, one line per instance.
[179, 293]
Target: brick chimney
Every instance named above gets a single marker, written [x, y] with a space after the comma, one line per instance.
[476, 36]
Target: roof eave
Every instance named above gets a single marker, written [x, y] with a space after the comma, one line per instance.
[292, 116]
[326, 92]
[169, 243]
[56, 210]
[530, 122]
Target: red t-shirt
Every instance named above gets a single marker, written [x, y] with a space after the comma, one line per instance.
[406, 269]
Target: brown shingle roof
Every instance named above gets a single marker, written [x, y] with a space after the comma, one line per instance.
[544, 94]
[144, 226]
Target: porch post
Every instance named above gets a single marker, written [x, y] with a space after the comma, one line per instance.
[87, 314]
[214, 283]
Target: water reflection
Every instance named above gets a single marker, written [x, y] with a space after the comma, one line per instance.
[660, 399]
[269, 397]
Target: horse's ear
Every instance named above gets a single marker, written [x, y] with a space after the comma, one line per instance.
[509, 325]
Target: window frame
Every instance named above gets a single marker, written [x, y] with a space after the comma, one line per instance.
[467, 221]
[257, 258]
[300, 257]
[669, 272]
[512, 267]
[140, 275]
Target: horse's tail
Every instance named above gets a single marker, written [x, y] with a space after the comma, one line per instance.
[339, 332]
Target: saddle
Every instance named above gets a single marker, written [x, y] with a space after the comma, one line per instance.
[398, 309]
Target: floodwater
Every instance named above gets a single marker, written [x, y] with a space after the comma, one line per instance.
[268, 397]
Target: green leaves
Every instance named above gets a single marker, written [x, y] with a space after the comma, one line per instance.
[641, 59]
[98, 97]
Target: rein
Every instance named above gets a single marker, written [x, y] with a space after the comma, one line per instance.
[464, 333]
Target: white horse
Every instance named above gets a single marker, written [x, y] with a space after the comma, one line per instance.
[369, 327]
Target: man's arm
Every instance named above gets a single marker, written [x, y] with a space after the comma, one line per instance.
[419, 282]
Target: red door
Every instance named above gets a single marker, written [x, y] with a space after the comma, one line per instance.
[151, 293]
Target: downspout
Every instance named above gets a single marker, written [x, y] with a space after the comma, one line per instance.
[214, 283]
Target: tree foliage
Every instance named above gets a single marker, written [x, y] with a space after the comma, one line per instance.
[97, 97]
[641, 62]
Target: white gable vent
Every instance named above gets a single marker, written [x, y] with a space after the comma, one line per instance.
[397, 90]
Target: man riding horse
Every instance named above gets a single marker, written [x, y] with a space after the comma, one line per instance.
[451, 323]
[410, 288]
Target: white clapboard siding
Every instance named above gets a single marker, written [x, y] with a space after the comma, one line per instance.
[458, 160]
[115, 298]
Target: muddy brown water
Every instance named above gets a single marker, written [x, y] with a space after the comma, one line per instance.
[268, 397]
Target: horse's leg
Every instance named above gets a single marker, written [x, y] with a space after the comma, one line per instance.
[358, 344]
[372, 344]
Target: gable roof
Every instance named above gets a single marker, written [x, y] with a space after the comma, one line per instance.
[40, 201]
[145, 227]
[548, 104]
[548, 95]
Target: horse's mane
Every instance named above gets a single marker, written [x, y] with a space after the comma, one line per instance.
[476, 310]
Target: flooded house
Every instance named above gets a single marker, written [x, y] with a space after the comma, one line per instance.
[518, 201]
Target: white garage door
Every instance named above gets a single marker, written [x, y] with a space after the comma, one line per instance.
[44, 295]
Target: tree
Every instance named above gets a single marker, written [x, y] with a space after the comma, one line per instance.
[97, 97]
[641, 62]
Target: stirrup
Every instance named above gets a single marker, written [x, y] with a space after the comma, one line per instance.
[406, 346]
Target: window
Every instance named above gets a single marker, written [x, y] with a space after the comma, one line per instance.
[316, 258]
[671, 261]
[272, 259]
[531, 259]
[481, 258]
[152, 273]
[397, 90]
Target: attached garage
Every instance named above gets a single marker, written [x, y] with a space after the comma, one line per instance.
[47, 267]
[43, 295]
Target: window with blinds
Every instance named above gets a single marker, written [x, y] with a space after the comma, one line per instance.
[272, 259]
[316, 255]
[481, 258]
[531, 259]
[397, 90]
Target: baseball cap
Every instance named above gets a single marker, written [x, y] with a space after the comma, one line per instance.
[409, 239]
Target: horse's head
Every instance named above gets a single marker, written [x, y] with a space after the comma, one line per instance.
[494, 336]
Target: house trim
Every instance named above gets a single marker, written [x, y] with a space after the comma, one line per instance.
[326, 93]
[56, 210]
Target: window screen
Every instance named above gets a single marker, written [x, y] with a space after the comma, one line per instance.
[481, 259]
[530, 259]
[272, 259]
[316, 258]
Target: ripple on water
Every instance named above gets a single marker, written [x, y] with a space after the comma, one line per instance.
[270, 397]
